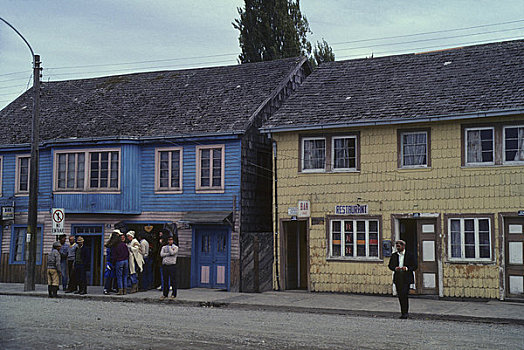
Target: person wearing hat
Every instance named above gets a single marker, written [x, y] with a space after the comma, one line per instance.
[82, 262]
[54, 270]
[136, 260]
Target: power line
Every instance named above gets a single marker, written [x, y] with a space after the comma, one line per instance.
[427, 33]
[411, 50]
[430, 39]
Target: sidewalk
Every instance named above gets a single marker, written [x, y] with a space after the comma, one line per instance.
[492, 311]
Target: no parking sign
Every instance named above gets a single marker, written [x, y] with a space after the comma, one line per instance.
[58, 216]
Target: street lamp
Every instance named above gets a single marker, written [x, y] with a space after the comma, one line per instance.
[30, 261]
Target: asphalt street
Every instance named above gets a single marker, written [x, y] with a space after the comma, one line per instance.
[37, 323]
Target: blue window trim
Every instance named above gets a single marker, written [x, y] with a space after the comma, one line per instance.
[12, 245]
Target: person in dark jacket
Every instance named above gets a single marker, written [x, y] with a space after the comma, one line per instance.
[82, 262]
[53, 270]
[110, 270]
[403, 263]
[121, 257]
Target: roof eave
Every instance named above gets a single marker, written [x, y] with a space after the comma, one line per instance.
[426, 119]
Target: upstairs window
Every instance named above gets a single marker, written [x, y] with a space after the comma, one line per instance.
[93, 170]
[169, 169]
[414, 149]
[329, 153]
[313, 154]
[344, 153]
[514, 144]
[210, 168]
[480, 146]
[22, 174]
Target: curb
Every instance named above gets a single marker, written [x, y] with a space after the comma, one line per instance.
[273, 308]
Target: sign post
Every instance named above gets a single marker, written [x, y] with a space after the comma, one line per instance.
[58, 216]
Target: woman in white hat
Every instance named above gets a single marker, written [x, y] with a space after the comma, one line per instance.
[136, 260]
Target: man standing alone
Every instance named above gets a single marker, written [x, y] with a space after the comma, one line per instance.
[403, 263]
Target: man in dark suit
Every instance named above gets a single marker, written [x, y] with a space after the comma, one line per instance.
[403, 263]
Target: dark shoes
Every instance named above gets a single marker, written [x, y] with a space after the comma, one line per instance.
[404, 316]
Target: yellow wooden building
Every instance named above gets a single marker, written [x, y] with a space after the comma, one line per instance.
[428, 148]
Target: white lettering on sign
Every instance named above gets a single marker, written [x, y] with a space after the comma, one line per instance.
[304, 209]
[351, 209]
[58, 216]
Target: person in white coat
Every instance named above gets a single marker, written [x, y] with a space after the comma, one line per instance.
[136, 260]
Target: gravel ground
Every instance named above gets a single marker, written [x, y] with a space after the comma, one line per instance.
[38, 323]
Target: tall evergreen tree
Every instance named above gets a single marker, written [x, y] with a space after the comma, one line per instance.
[323, 52]
[272, 29]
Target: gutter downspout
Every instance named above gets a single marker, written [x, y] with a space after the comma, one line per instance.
[275, 181]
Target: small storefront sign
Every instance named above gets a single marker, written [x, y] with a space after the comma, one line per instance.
[304, 209]
[292, 211]
[351, 209]
[8, 213]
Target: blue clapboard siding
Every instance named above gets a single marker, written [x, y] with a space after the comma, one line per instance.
[127, 201]
[189, 200]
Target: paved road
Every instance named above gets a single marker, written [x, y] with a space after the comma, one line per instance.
[38, 323]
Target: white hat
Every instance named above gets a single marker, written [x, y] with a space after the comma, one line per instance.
[117, 231]
[131, 233]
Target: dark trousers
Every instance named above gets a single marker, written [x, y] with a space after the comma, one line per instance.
[169, 272]
[403, 293]
[71, 274]
[81, 277]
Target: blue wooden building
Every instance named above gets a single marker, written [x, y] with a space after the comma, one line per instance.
[170, 150]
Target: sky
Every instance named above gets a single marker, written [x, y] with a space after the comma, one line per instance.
[89, 38]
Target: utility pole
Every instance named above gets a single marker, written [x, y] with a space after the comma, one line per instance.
[32, 228]
[30, 243]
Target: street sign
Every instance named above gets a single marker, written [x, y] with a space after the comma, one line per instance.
[8, 213]
[58, 216]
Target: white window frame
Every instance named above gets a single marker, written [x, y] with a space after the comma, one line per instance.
[168, 189]
[466, 130]
[317, 170]
[354, 137]
[211, 188]
[462, 240]
[353, 232]
[87, 171]
[504, 144]
[404, 166]
[56, 171]
[17, 174]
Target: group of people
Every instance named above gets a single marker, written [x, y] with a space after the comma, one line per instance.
[133, 263]
[68, 262]
[133, 260]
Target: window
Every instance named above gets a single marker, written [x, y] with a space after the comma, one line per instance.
[168, 169]
[314, 154]
[330, 153]
[18, 252]
[514, 144]
[470, 239]
[414, 150]
[210, 168]
[97, 170]
[22, 174]
[354, 238]
[344, 154]
[480, 146]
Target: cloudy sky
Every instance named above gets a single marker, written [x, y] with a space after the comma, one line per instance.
[87, 38]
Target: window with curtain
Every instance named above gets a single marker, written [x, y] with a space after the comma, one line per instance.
[313, 154]
[514, 144]
[470, 239]
[169, 169]
[354, 238]
[344, 153]
[414, 149]
[480, 146]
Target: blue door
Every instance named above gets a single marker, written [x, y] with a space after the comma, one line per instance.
[212, 256]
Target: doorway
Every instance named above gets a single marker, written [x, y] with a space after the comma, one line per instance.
[295, 257]
[93, 239]
[514, 254]
[420, 238]
[212, 246]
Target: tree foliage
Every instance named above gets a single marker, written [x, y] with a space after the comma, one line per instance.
[323, 52]
[272, 29]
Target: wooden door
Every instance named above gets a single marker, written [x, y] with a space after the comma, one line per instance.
[514, 252]
[212, 258]
[427, 274]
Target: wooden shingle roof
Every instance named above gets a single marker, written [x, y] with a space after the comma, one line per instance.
[217, 100]
[404, 88]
